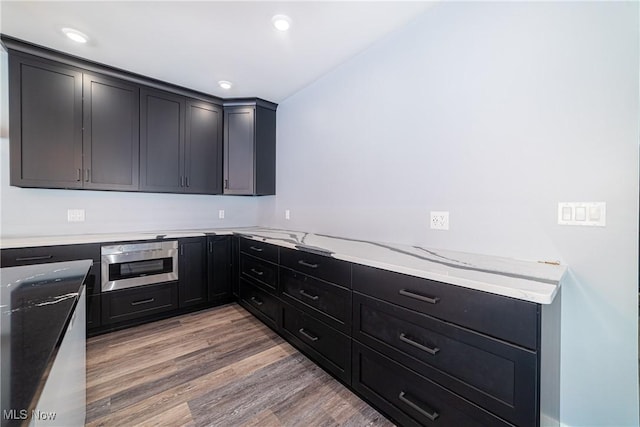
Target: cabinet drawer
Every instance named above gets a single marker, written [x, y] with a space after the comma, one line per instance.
[263, 272]
[259, 249]
[498, 376]
[510, 319]
[409, 398]
[46, 254]
[324, 300]
[330, 348]
[138, 302]
[321, 266]
[260, 303]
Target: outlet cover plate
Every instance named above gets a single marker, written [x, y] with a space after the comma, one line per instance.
[75, 215]
[439, 220]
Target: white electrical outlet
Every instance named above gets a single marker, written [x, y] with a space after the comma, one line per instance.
[287, 214]
[439, 220]
[75, 215]
[592, 214]
[221, 214]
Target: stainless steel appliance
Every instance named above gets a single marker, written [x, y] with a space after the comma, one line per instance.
[138, 264]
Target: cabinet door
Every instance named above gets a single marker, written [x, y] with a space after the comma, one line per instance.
[46, 124]
[110, 137]
[161, 141]
[203, 148]
[239, 143]
[219, 267]
[192, 272]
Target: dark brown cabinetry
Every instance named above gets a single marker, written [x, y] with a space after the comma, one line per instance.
[180, 144]
[136, 304]
[250, 148]
[193, 288]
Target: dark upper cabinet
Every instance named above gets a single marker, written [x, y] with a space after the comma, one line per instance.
[219, 268]
[192, 272]
[180, 144]
[110, 136]
[45, 102]
[250, 149]
[203, 148]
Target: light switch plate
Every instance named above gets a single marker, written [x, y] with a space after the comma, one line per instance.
[221, 214]
[439, 220]
[592, 214]
[75, 215]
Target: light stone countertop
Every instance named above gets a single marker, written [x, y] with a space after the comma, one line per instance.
[525, 280]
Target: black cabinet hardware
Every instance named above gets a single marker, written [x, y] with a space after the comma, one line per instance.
[306, 264]
[253, 248]
[308, 335]
[411, 294]
[430, 413]
[311, 297]
[144, 301]
[404, 338]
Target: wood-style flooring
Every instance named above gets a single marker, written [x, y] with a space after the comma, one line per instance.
[217, 367]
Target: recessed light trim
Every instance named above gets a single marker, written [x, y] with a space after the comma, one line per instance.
[224, 84]
[281, 22]
[75, 35]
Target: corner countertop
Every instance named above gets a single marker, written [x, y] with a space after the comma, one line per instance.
[532, 281]
[36, 306]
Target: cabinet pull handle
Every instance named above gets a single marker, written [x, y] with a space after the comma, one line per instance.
[306, 264]
[259, 273]
[307, 335]
[144, 301]
[181, 181]
[311, 297]
[34, 258]
[431, 350]
[186, 180]
[430, 300]
[430, 413]
[256, 300]
[79, 176]
[253, 248]
[211, 247]
[226, 183]
[86, 175]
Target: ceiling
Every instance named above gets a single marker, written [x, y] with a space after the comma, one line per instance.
[196, 44]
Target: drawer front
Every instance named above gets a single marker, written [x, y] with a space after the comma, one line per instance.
[326, 301]
[259, 302]
[259, 249]
[497, 376]
[502, 317]
[262, 272]
[139, 302]
[330, 348]
[409, 398]
[46, 254]
[324, 267]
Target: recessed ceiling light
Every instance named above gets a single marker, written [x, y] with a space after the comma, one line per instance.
[75, 35]
[281, 22]
[225, 84]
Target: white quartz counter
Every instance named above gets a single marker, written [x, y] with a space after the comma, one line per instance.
[526, 280]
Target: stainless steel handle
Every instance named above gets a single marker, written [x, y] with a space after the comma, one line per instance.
[429, 413]
[306, 264]
[410, 294]
[253, 248]
[307, 335]
[86, 174]
[311, 297]
[144, 301]
[182, 181]
[79, 175]
[259, 273]
[256, 300]
[431, 350]
[226, 183]
[186, 180]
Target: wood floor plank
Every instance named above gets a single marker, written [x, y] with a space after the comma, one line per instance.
[216, 367]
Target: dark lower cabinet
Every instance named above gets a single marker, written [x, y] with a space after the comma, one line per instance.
[138, 303]
[193, 288]
[219, 267]
[262, 304]
[411, 399]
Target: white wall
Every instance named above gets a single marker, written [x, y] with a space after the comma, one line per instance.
[495, 112]
[27, 211]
